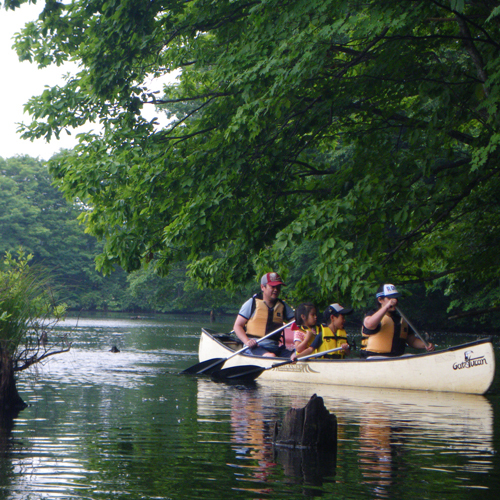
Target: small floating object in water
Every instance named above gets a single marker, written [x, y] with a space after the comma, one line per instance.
[114, 349]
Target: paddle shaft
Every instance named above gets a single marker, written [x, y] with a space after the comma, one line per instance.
[309, 356]
[412, 327]
[210, 365]
[261, 339]
[251, 372]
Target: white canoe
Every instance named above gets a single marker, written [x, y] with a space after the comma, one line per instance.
[467, 368]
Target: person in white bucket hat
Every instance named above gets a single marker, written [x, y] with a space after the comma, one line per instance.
[384, 331]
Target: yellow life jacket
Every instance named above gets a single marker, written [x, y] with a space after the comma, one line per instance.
[383, 342]
[265, 319]
[331, 340]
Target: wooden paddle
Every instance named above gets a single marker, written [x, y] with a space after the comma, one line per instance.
[247, 373]
[412, 327]
[210, 365]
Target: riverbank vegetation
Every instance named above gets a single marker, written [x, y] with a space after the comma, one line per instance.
[34, 216]
[343, 143]
[28, 314]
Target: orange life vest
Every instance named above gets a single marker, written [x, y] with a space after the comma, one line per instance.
[384, 341]
[265, 319]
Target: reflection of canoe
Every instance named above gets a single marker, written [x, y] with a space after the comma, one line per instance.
[468, 416]
[448, 421]
[467, 368]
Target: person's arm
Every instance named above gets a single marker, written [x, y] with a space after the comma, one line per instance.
[239, 329]
[371, 322]
[305, 352]
[289, 312]
[314, 345]
[301, 345]
[415, 342]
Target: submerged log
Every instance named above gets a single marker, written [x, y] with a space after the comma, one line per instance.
[310, 427]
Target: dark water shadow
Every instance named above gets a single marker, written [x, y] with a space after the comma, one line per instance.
[310, 467]
[7, 423]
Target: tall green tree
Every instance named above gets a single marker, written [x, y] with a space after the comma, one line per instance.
[366, 130]
[35, 216]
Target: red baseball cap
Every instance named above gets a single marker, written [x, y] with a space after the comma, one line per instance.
[272, 279]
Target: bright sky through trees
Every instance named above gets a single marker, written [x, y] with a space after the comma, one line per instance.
[20, 81]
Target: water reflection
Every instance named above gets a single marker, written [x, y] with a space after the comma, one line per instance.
[251, 435]
[122, 425]
[251, 419]
[388, 433]
[380, 451]
[398, 429]
[253, 413]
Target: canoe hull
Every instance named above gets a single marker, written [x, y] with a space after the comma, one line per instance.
[468, 368]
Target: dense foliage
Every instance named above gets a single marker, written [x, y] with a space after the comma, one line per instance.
[366, 131]
[35, 216]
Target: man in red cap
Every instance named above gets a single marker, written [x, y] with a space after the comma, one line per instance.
[261, 315]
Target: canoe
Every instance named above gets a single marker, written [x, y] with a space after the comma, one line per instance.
[467, 368]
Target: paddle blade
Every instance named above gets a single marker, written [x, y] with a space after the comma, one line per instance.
[205, 367]
[245, 373]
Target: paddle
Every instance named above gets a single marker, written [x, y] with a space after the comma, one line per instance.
[248, 373]
[210, 365]
[412, 327]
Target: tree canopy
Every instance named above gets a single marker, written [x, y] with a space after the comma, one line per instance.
[357, 141]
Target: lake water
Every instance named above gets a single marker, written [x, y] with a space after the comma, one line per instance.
[127, 425]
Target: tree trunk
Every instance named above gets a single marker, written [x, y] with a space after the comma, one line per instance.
[306, 443]
[10, 401]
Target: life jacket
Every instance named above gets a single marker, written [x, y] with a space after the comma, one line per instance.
[264, 319]
[331, 340]
[390, 339]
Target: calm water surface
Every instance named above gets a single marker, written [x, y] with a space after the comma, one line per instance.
[126, 425]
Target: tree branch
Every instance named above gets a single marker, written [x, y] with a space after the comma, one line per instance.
[476, 312]
[430, 278]
[36, 359]
[194, 98]
[474, 53]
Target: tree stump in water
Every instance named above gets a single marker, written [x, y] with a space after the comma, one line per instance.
[310, 427]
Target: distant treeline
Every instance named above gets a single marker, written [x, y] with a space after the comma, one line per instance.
[35, 216]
